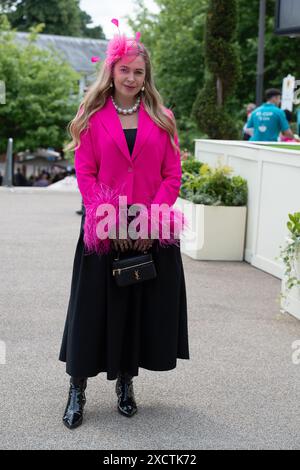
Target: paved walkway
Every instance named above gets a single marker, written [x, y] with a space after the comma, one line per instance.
[240, 389]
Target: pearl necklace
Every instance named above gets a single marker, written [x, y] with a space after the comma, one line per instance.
[129, 110]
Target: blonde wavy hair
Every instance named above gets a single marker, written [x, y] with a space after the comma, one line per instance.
[100, 90]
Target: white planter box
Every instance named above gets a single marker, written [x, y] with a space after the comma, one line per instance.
[272, 176]
[216, 232]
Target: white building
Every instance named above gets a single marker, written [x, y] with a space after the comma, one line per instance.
[77, 52]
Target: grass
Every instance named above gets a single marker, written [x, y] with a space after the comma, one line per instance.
[285, 146]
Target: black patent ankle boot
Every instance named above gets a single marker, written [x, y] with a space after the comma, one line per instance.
[124, 390]
[74, 410]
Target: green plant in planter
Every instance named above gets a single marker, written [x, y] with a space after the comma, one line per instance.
[188, 183]
[237, 194]
[215, 187]
[290, 254]
[190, 175]
[191, 166]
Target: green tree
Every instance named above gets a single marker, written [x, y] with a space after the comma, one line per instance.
[281, 53]
[87, 31]
[222, 71]
[174, 38]
[41, 93]
[61, 17]
[174, 41]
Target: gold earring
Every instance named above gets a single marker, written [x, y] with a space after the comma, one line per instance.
[143, 88]
[111, 84]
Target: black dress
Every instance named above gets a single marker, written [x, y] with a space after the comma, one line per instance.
[110, 328]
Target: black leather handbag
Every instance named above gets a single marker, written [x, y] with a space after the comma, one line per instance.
[133, 269]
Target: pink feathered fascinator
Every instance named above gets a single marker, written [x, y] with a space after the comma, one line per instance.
[121, 46]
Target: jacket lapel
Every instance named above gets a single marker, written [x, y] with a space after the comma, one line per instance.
[112, 123]
[145, 127]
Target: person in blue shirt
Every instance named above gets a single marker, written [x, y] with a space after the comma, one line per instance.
[268, 120]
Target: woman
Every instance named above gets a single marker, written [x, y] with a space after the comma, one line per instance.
[248, 133]
[126, 145]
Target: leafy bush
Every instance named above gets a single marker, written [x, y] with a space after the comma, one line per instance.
[191, 166]
[289, 254]
[41, 93]
[214, 187]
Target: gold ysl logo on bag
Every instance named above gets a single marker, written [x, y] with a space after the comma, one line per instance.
[136, 274]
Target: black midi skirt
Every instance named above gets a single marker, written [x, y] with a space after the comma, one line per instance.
[110, 328]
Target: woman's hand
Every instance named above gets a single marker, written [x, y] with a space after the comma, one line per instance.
[123, 244]
[142, 244]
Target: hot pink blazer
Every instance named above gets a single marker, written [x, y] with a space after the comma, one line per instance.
[105, 169]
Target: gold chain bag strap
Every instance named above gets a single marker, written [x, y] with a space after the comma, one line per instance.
[133, 269]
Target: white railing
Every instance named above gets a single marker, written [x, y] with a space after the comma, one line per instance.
[273, 176]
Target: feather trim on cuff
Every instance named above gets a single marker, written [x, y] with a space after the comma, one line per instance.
[163, 222]
[101, 194]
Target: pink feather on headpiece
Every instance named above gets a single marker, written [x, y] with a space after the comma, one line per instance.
[117, 47]
[121, 46]
[115, 21]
